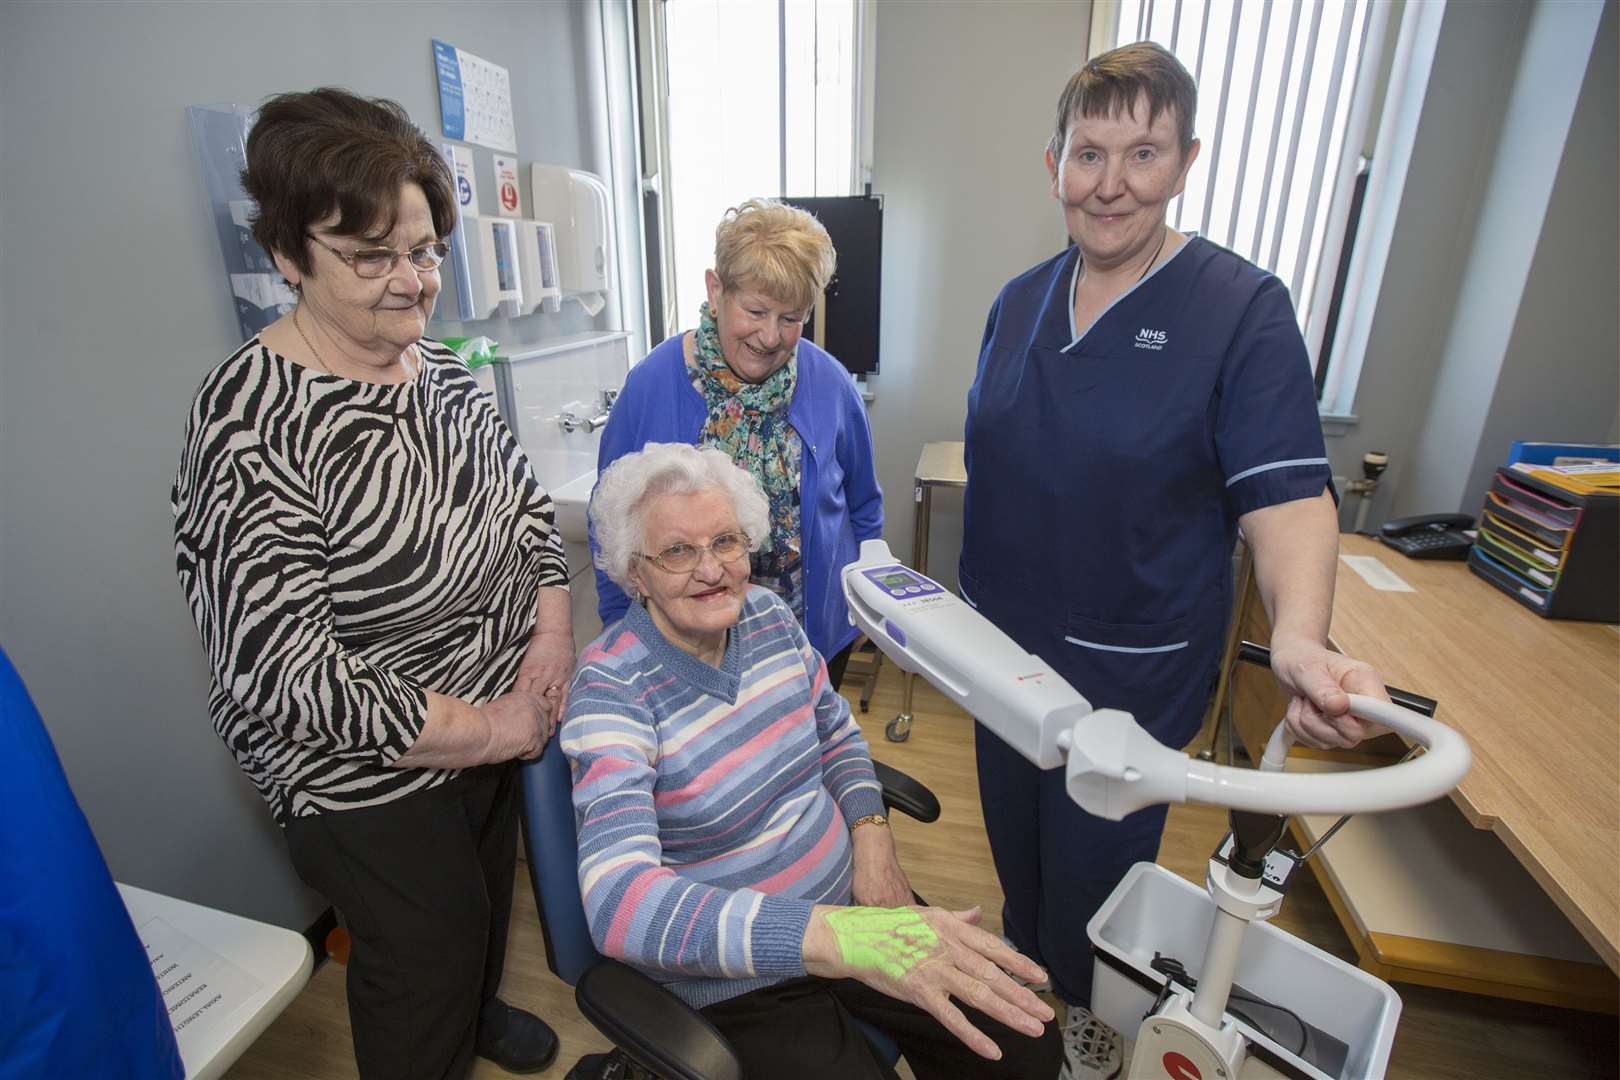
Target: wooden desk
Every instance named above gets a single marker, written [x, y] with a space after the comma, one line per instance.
[1538, 700]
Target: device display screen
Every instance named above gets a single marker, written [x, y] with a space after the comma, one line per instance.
[504, 278]
[898, 581]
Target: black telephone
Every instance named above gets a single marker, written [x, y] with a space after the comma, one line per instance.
[1429, 536]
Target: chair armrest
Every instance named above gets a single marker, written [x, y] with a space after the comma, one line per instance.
[658, 1030]
[902, 793]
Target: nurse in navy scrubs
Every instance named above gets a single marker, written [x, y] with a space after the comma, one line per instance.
[1139, 399]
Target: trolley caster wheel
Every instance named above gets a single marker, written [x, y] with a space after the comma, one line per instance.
[898, 729]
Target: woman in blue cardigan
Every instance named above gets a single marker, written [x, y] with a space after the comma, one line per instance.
[782, 408]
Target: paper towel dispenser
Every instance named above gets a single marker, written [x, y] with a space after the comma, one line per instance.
[576, 204]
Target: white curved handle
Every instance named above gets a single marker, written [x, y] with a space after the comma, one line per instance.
[1115, 768]
[1392, 787]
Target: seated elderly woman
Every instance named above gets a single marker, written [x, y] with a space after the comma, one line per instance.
[728, 812]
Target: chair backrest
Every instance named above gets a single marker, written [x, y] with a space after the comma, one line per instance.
[79, 997]
[553, 854]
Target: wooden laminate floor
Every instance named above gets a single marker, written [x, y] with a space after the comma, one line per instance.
[1442, 1034]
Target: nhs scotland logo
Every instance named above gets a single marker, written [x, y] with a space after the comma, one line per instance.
[1151, 339]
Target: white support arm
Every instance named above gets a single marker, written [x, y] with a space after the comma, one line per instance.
[1113, 766]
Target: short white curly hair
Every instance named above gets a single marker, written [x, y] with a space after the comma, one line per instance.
[627, 487]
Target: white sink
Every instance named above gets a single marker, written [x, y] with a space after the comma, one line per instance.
[571, 501]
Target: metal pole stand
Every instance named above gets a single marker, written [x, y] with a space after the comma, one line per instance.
[941, 464]
[899, 729]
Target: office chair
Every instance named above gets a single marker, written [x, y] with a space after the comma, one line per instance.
[653, 1027]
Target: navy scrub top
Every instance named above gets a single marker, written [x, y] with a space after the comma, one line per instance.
[1107, 472]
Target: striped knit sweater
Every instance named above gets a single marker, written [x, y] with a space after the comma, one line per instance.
[713, 805]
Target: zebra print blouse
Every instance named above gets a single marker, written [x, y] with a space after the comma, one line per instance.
[344, 547]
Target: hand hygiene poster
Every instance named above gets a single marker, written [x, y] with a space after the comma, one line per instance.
[475, 98]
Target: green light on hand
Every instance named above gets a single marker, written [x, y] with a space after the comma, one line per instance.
[890, 941]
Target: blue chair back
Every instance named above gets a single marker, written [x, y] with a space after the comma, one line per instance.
[552, 848]
[78, 997]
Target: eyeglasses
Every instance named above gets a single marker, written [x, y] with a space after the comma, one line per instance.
[376, 262]
[684, 558]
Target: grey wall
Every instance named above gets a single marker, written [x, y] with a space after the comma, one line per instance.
[1459, 126]
[1560, 375]
[965, 97]
[113, 306]
[1445, 383]
[1496, 303]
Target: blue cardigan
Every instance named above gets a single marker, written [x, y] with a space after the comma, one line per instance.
[840, 501]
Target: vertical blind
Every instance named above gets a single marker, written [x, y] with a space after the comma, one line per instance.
[1275, 83]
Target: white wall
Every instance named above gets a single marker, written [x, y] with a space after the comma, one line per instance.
[113, 304]
[965, 99]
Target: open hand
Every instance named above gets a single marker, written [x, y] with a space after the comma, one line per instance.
[927, 956]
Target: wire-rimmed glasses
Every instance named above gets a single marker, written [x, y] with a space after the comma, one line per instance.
[685, 558]
[376, 262]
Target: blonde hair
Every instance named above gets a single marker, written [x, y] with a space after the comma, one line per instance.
[778, 250]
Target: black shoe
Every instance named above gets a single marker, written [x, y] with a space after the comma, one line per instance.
[517, 1041]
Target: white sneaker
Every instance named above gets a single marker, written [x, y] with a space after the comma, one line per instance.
[1042, 987]
[1091, 1049]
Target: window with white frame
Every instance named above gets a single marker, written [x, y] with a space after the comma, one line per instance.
[761, 101]
[1278, 85]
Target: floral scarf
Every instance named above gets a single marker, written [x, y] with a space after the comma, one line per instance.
[750, 423]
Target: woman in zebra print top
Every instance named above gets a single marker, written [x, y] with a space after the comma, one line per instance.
[378, 585]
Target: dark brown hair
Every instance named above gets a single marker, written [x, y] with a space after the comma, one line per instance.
[314, 152]
[1111, 84]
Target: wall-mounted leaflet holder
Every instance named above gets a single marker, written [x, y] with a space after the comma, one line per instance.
[258, 291]
[576, 204]
[455, 297]
[537, 263]
[492, 266]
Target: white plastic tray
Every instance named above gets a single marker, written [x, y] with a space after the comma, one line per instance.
[1153, 910]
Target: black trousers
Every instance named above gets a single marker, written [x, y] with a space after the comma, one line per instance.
[836, 663]
[804, 1029]
[424, 885]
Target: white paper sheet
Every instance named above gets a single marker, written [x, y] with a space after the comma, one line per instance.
[200, 987]
[1375, 573]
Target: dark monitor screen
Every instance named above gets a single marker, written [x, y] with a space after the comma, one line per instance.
[853, 299]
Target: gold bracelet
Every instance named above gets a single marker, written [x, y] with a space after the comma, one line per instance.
[869, 819]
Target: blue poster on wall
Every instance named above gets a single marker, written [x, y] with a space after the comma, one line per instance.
[475, 98]
[450, 101]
